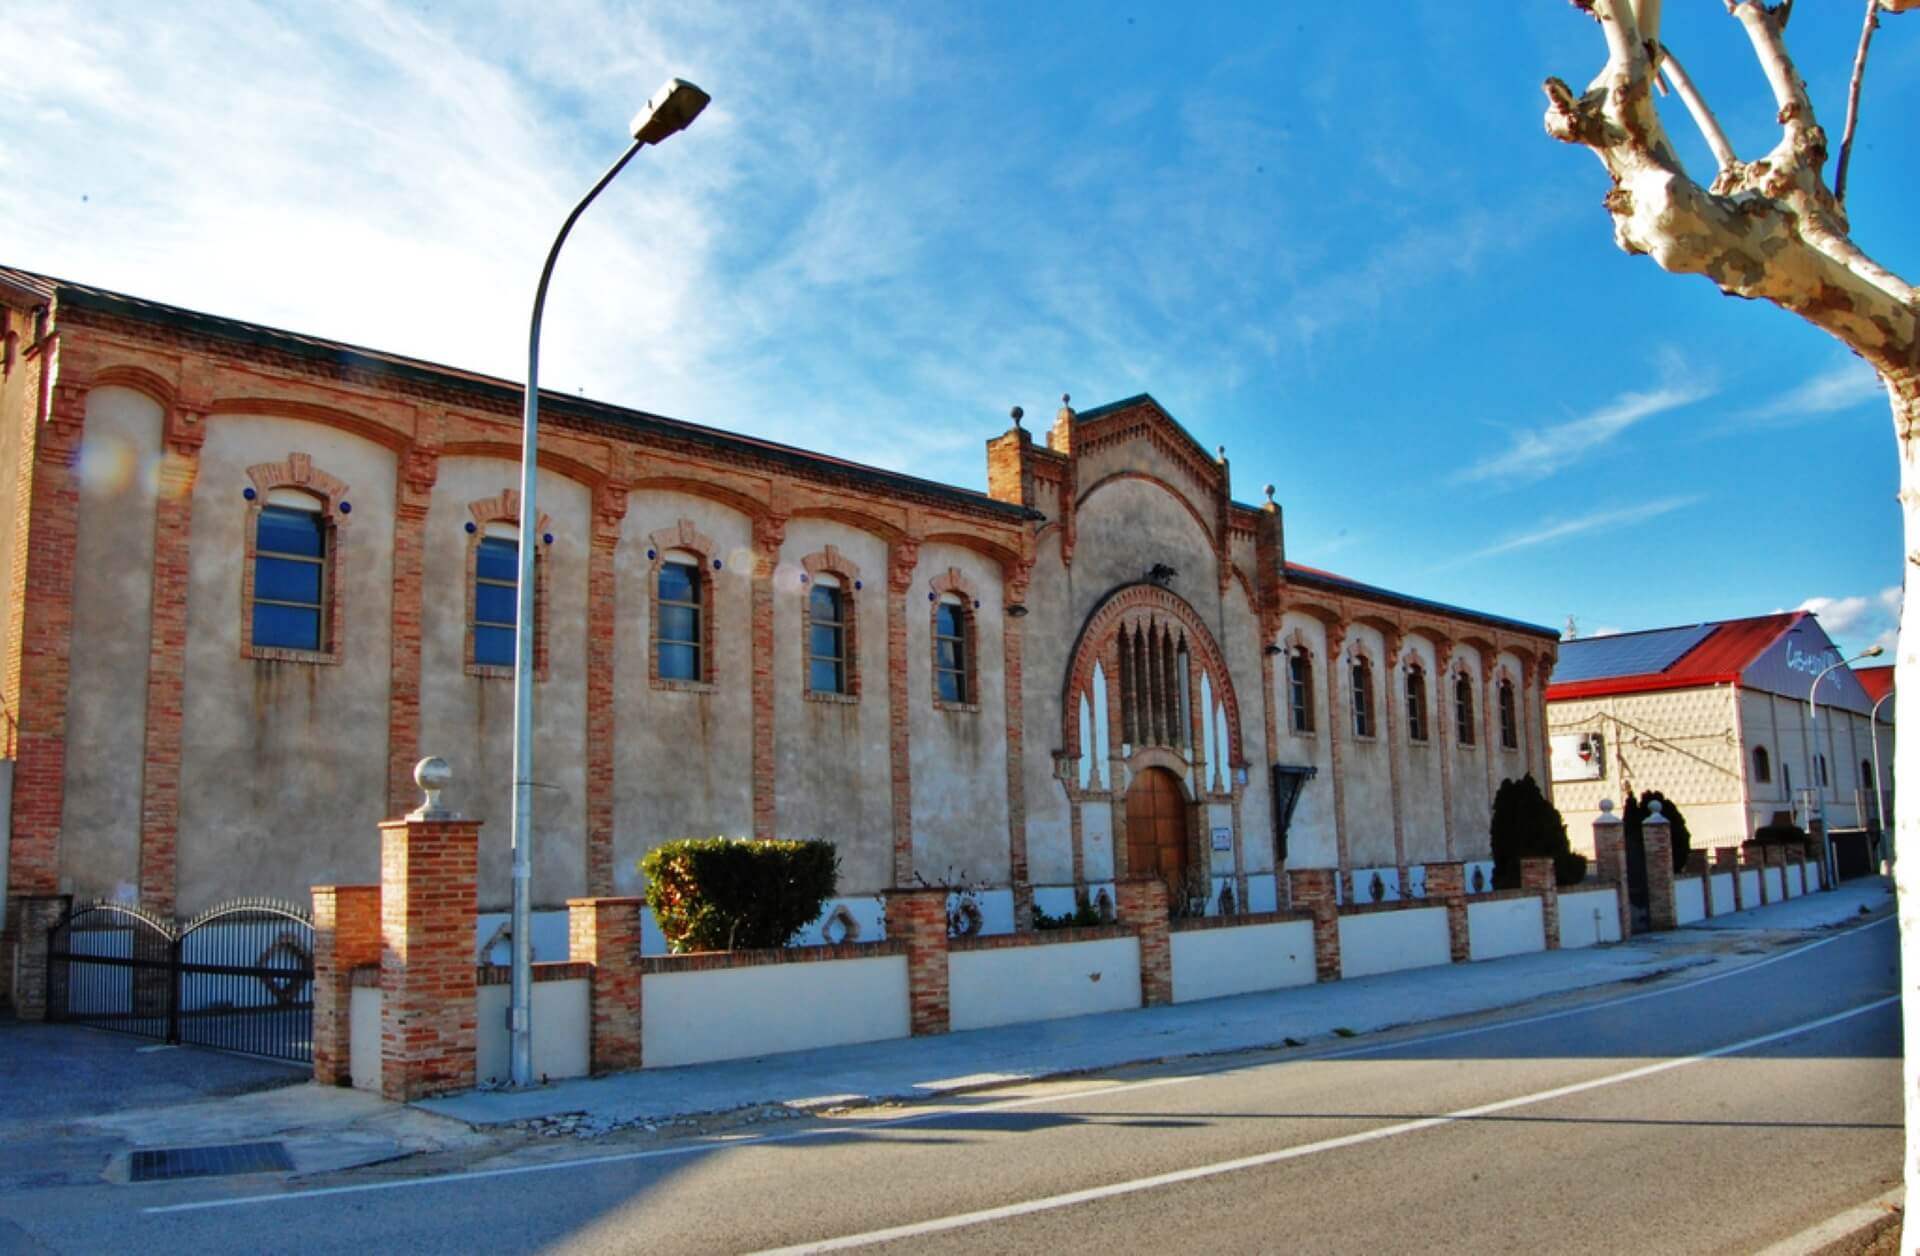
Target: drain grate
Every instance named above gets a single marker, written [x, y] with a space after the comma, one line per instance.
[170, 1163]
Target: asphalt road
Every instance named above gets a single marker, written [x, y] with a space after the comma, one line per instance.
[1684, 1117]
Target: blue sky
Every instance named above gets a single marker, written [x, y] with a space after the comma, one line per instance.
[1336, 241]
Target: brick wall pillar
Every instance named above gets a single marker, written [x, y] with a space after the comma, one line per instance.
[429, 865]
[1313, 892]
[605, 932]
[1536, 876]
[919, 918]
[1753, 856]
[346, 935]
[32, 916]
[1141, 904]
[1447, 885]
[1656, 835]
[1610, 858]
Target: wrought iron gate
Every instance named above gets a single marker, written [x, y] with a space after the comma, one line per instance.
[238, 977]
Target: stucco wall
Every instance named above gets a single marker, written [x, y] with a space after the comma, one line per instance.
[1472, 797]
[468, 720]
[1589, 917]
[1045, 656]
[1689, 900]
[832, 760]
[1310, 837]
[1423, 812]
[118, 473]
[1389, 941]
[363, 1038]
[1365, 760]
[1214, 963]
[1722, 893]
[283, 765]
[682, 759]
[1681, 742]
[730, 1013]
[1042, 982]
[959, 757]
[1505, 926]
[562, 1030]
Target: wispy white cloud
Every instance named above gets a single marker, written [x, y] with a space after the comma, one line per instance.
[1862, 620]
[1538, 452]
[1845, 385]
[1583, 525]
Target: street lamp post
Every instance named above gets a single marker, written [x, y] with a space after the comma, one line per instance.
[1879, 791]
[1819, 788]
[669, 111]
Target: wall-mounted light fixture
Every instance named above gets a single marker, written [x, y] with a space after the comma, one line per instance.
[1272, 649]
[1017, 609]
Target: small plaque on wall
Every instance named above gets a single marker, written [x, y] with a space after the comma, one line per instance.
[1223, 839]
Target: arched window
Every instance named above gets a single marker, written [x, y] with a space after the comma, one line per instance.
[292, 579]
[1509, 717]
[1762, 766]
[829, 660]
[1155, 696]
[1300, 689]
[1416, 703]
[496, 591]
[1362, 673]
[1463, 709]
[680, 608]
[953, 663]
[1820, 770]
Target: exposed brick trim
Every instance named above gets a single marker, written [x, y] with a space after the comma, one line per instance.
[918, 918]
[902, 558]
[952, 584]
[831, 560]
[603, 628]
[419, 468]
[428, 881]
[555, 970]
[1246, 920]
[1041, 937]
[603, 935]
[769, 534]
[1013, 667]
[346, 942]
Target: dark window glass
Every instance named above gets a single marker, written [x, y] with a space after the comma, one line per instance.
[1463, 710]
[1866, 774]
[1416, 704]
[1762, 767]
[826, 641]
[950, 653]
[679, 634]
[1362, 699]
[1509, 721]
[496, 590]
[679, 582]
[679, 662]
[1300, 690]
[290, 579]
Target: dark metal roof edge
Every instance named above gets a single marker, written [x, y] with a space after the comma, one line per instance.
[418, 371]
[1296, 575]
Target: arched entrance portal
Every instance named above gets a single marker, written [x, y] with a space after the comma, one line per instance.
[1157, 826]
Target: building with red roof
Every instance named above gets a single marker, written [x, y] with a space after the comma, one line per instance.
[1715, 716]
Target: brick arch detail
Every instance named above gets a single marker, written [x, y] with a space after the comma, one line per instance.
[298, 471]
[504, 507]
[952, 580]
[830, 559]
[683, 536]
[1097, 634]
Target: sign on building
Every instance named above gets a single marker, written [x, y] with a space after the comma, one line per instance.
[1578, 757]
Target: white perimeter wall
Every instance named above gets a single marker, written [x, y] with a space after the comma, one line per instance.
[1689, 903]
[1723, 893]
[363, 1038]
[1750, 886]
[1796, 881]
[1588, 918]
[1388, 941]
[729, 1013]
[1505, 926]
[1213, 963]
[1775, 890]
[1042, 982]
[562, 1030]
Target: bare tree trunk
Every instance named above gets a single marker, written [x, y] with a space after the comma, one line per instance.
[1905, 395]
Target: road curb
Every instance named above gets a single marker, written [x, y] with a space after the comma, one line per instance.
[1850, 1233]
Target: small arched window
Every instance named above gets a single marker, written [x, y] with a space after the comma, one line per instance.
[292, 576]
[1820, 770]
[1762, 766]
[1416, 703]
[1363, 725]
[1509, 716]
[829, 662]
[680, 603]
[1463, 709]
[1300, 689]
[953, 663]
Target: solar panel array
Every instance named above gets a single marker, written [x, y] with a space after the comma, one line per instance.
[1629, 654]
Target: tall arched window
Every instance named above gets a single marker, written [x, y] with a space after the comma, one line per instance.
[953, 677]
[1463, 709]
[1820, 770]
[829, 662]
[1762, 766]
[291, 577]
[1362, 673]
[496, 590]
[1155, 696]
[1866, 774]
[1300, 689]
[680, 602]
[1509, 717]
[1416, 703]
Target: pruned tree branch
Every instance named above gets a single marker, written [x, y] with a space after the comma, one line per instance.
[1867, 27]
[1703, 118]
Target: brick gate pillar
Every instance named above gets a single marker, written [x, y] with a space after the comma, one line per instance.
[1313, 893]
[1656, 836]
[33, 917]
[605, 932]
[1610, 857]
[1447, 885]
[1141, 903]
[919, 918]
[346, 936]
[429, 896]
[1536, 876]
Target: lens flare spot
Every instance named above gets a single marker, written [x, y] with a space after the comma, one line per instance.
[107, 465]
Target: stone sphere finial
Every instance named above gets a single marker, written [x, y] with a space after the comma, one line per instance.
[432, 775]
[1606, 806]
[1653, 809]
[1268, 490]
[1017, 414]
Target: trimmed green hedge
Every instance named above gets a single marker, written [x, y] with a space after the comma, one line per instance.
[1525, 825]
[724, 894]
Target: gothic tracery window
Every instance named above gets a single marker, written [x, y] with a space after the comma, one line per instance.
[1154, 688]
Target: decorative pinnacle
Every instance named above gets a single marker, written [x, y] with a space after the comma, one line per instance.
[1018, 414]
[1222, 452]
[1653, 809]
[432, 775]
[1606, 806]
[1268, 490]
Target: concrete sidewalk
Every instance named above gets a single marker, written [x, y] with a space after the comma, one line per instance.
[919, 1068]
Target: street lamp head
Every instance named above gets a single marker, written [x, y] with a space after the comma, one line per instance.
[670, 110]
[1873, 652]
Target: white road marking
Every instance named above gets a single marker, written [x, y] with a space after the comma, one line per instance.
[1052, 1202]
[1005, 1105]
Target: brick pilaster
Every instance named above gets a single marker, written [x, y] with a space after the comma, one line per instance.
[418, 470]
[1013, 653]
[605, 932]
[1610, 857]
[919, 918]
[769, 533]
[902, 557]
[43, 560]
[1312, 890]
[1536, 876]
[609, 510]
[167, 661]
[346, 935]
[32, 916]
[1656, 836]
[428, 900]
[1141, 903]
[1447, 885]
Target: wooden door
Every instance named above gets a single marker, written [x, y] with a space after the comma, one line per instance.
[1157, 826]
